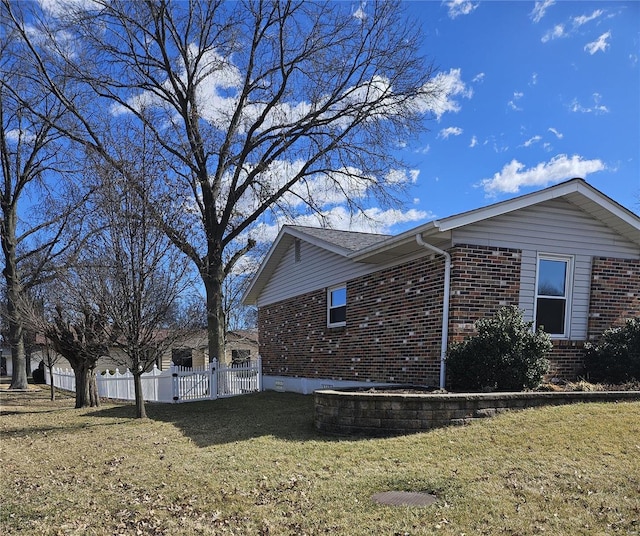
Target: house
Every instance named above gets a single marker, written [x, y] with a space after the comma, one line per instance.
[342, 308]
[193, 351]
[190, 350]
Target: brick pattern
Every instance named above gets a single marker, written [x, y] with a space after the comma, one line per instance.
[394, 318]
[615, 293]
[483, 279]
[567, 360]
[392, 331]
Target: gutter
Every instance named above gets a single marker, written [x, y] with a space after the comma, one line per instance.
[445, 304]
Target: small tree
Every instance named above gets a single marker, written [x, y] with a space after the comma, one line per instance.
[615, 358]
[82, 340]
[505, 355]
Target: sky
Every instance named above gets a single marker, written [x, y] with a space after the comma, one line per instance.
[541, 92]
[537, 92]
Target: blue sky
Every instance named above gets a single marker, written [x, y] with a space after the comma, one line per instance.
[543, 92]
[535, 93]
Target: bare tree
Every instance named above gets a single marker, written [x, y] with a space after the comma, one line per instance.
[257, 108]
[81, 337]
[35, 218]
[134, 274]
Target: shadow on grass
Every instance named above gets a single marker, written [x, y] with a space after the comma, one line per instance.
[287, 416]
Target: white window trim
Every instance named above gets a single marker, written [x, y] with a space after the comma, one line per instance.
[329, 291]
[570, 260]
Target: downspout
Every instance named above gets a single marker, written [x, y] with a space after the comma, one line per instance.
[445, 305]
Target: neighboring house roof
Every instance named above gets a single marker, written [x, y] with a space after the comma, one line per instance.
[379, 249]
[243, 335]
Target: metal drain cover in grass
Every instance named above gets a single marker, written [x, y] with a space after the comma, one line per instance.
[404, 498]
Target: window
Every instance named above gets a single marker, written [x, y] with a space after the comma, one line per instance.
[552, 294]
[240, 356]
[182, 357]
[337, 306]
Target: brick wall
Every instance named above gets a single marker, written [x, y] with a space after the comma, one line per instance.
[615, 293]
[483, 279]
[392, 331]
[567, 360]
[394, 317]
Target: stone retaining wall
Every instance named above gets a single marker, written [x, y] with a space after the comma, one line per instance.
[383, 414]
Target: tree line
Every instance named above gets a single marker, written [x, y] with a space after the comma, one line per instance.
[144, 144]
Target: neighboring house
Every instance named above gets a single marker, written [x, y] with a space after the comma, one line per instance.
[339, 308]
[188, 351]
[241, 345]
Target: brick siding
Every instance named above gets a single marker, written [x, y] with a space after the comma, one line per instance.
[394, 317]
[615, 293]
[483, 279]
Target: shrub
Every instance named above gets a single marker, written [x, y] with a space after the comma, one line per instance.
[615, 358]
[505, 355]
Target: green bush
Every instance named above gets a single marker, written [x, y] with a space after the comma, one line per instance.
[615, 358]
[505, 355]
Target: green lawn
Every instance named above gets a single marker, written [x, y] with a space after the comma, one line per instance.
[255, 465]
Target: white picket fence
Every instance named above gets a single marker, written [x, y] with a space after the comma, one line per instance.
[177, 384]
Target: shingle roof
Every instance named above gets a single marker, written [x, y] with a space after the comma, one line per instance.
[350, 240]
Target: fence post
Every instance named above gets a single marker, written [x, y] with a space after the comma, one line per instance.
[175, 383]
[259, 365]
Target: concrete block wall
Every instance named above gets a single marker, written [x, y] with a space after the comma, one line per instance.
[385, 414]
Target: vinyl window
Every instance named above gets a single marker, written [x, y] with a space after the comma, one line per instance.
[553, 291]
[337, 306]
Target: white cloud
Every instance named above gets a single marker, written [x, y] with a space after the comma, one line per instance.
[474, 141]
[517, 95]
[531, 141]
[540, 9]
[16, 136]
[360, 13]
[445, 86]
[478, 78]
[373, 220]
[514, 175]
[450, 131]
[583, 19]
[559, 135]
[555, 33]
[599, 44]
[597, 108]
[460, 7]
[534, 79]
[58, 7]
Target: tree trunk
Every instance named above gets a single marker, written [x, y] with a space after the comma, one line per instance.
[86, 387]
[14, 293]
[18, 359]
[52, 386]
[215, 315]
[141, 412]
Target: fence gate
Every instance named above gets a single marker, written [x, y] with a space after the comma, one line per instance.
[216, 381]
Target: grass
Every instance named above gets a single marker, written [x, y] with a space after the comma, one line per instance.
[255, 465]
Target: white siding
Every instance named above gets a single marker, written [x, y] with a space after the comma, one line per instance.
[316, 269]
[558, 227]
